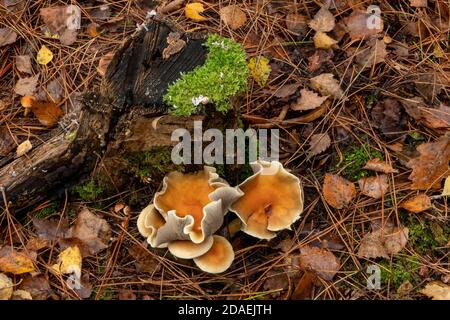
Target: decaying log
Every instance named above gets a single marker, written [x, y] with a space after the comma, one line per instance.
[127, 115]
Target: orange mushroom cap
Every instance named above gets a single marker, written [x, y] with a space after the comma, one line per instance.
[272, 200]
[186, 249]
[218, 259]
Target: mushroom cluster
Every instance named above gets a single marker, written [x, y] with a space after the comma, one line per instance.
[186, 213]
[190, 208]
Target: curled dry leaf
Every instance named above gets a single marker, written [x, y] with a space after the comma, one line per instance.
[431, 166]
[93, 231]
[26, 86]
[379, 165]
[323, 41]
[308, 100]
[320, 261]
[104, 63]
[436, 290]
[15, 262]
[6, 287]
[296, 23]
[416, 204]
[375, 186]
[337, 191]
[233, 16]
[7, 36]
[286, 90]
[358, 27]
[23, 64]
[23, 148]
[327, 85]
[323, 21]
[193, 10]
[319, 143]
[433, 118]
[383, 242]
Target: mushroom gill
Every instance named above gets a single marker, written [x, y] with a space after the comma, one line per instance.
[272, 199]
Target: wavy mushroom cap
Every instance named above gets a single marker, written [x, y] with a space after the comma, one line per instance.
[193, 205]
[272, 200]
[148, 223]
[186, 249]
[218, 259]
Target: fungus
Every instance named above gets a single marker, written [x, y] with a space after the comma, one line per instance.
[186, 249]
[272, 199]
[218, 259]
[148, 223]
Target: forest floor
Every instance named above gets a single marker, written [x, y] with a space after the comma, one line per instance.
[362, 101]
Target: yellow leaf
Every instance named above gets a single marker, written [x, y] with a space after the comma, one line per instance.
[44, 56]
[6, 287]
[323, 41]
[15, 262]
[446, 191]
[69, 261]
[437, 290]
[23, 148]
[193, 10]
[259, 69]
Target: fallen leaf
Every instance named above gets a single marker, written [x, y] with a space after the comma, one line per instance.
[375, 186]
[92, 230]
[26, 86]
[387, 115]
[14, 262]
[296, 23]
[383, 242]
[36, 244]
[145, 262]
[433, 118]
[379, 165]
[23, 148]
[373, 54]
[320, 59]
[337, 191]
[104, 63]
[323, 41]
[319, 261]
[51, 229]
[431, 166]
[308, 100]
[174, 45]
[23, 64]
[430, 84]
[319, 143]
[48, 113]
[436, 290]
[446, 190]
[125, 294]
[21, 295]
[327, 85]
[55, 90]
[44, 56]
[69, 262]
[358, 27]
[7, 143]
[63, 21]
[286, 90]
[92, 30]
[323, 21]
[419, 3]
[305, 286]
[7, 36]
[233, 16]
[259, 69]
[416, 204]
[6, 287]
[38, 286]
[193, 10]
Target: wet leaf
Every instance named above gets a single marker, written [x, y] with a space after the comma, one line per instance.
[44, 56]
[319, 143]
[23, 148]
[327, 85]
[337, 191]
[319, 261]
[259, 69]
[193, 10]
[323, 21]
[296, 23]
[233, 16]
[383, 242]
[15, 262]
[26, 86]
[38, 286]
[308, 100]
[431, 167]
[92, 230]
[416, 204]
[436, 290]
[375, 186]
[23, 64]
[51, 229]
[379, 165]
[323, 41]
[358, 27]
[6, 287]
[7, 36]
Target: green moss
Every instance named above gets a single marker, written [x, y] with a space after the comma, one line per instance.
[89, 191]
[355, 157]
[47, 211]
[401, 269]
[223, 75]
[426, 236]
